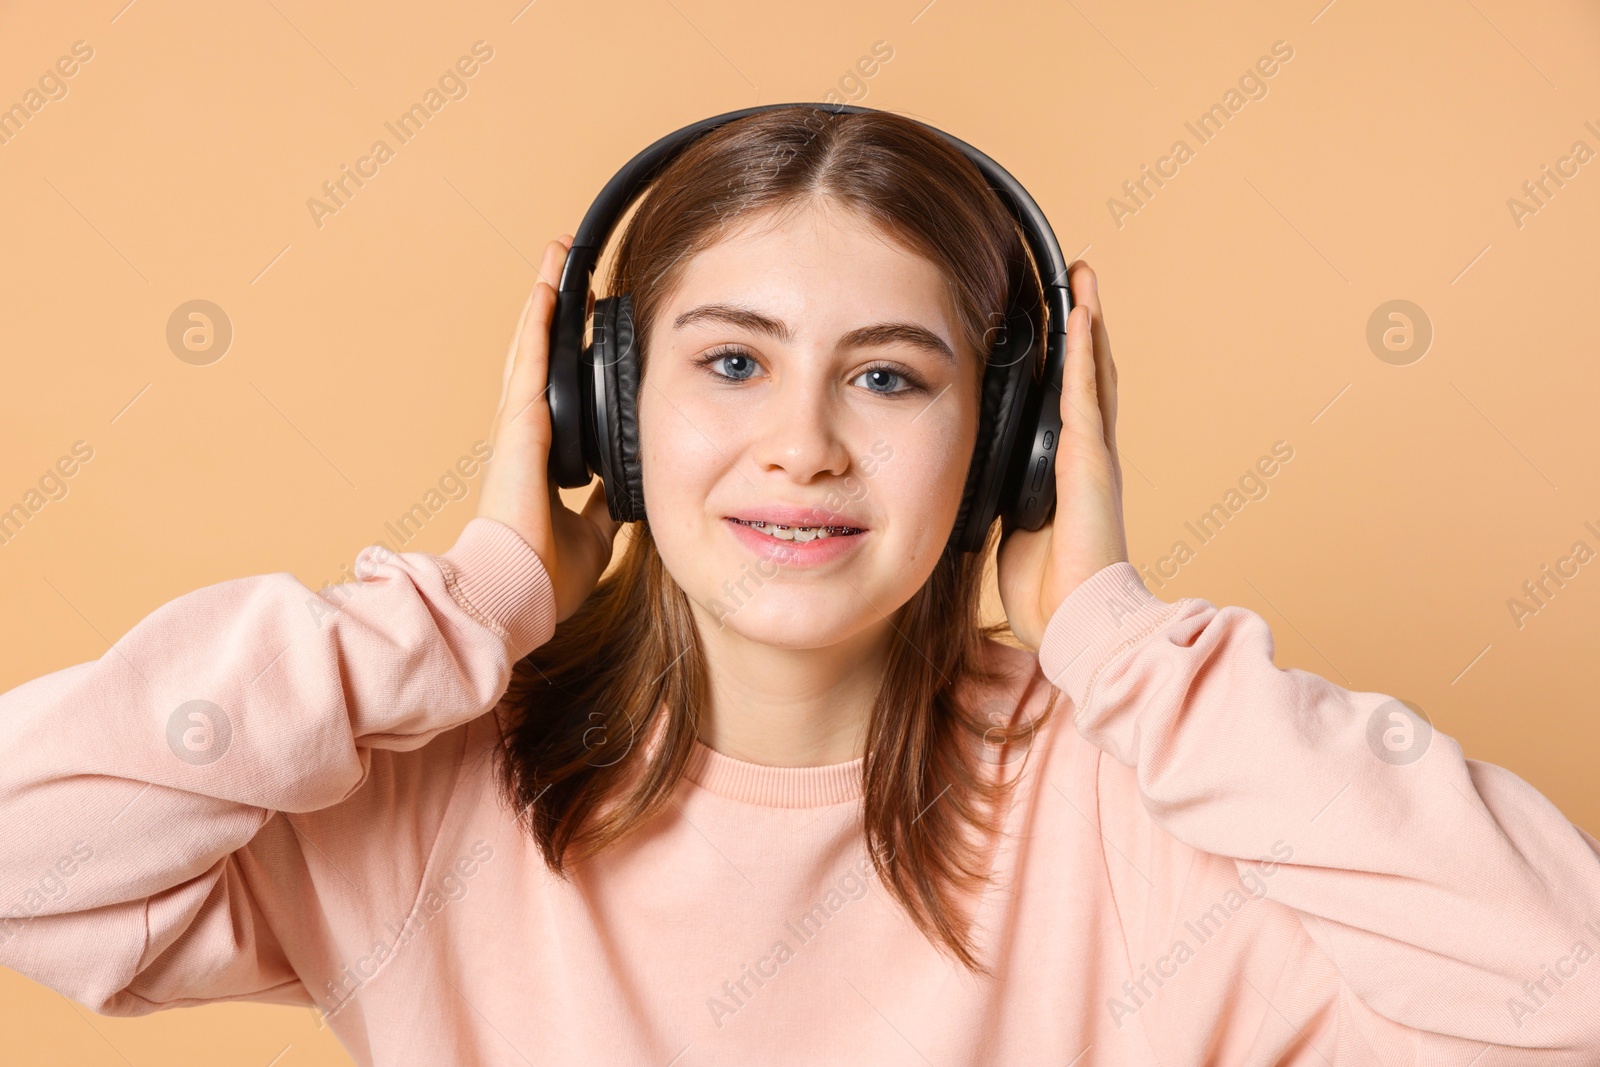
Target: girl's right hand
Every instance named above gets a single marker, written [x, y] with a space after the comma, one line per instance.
[574, 547]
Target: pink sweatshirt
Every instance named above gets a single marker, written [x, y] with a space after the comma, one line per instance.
[1222, 863]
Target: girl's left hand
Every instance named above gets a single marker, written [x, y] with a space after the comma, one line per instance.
[1038, 568]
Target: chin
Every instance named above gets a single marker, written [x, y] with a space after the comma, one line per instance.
[777, 620]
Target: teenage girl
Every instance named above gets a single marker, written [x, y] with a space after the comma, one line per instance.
[769, 792]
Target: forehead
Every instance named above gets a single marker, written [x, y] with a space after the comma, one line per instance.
[824, 270]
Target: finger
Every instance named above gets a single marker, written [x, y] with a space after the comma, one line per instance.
[1080, 406]
[518, 334]
[511, 349]
[1086, 290]
[555, 252]
[530, 372]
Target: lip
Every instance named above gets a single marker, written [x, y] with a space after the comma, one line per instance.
[788, 516]
[813, 553]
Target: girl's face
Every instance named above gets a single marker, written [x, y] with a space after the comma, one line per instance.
[810, 366]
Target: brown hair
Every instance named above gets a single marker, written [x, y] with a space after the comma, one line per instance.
[573, 760]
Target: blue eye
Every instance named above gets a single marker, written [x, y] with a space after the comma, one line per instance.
[742, 365]
[888, 372]
[735, 355]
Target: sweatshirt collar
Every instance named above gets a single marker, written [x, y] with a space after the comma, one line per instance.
[774, 787]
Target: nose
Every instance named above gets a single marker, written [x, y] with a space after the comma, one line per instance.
[799, 431]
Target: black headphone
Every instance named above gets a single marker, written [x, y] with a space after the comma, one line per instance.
[593, 389]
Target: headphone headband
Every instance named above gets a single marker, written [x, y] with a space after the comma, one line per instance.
[583, 420]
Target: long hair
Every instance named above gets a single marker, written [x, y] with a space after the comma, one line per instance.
[598, 724]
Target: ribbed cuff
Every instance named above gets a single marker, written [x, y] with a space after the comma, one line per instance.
[1111, 610]
[497, 577]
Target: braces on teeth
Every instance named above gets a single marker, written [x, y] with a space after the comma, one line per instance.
[798, 533]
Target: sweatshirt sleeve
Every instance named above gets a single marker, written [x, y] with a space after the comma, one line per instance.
[1456, 910]
[133, 783]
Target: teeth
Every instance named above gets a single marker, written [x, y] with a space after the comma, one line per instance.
[796, 533]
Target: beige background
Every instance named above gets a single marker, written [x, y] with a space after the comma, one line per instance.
[367, 351]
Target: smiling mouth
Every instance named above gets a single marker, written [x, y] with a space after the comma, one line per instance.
[799, 533]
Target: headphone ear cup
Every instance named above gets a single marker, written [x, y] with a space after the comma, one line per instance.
[616, 369]
[1008, 382]
[1028, 496]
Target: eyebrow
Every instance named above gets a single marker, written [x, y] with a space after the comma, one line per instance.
[881, 333]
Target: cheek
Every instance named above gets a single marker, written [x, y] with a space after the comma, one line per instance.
[916, 479]
[680, 462]
[932, 490]
[935, 460]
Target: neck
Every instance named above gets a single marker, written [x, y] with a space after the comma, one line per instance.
[791, 707]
